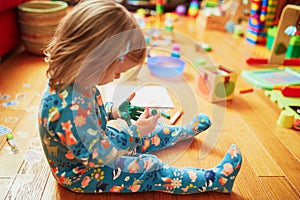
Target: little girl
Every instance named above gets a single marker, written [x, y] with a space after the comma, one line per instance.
[94, 43]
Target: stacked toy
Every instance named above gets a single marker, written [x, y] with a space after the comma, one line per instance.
[193, 8]
[262, 14]
[271, 12]
[159, 7]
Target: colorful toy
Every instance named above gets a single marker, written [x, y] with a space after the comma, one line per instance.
[271, 34]
[283, 87]
[289, 12]
[273, 77]
[181, 9]
[11, 142]
[291, 107]
[211, 3]
[169, 22]
[204, 46]
[281, 42]
[216, 83]
[285, 119]
[265, 61]
[139, 16]
[193, 8]
[261, 14]
[293, 50]
[289, 91]
[175, 52]
[246, 90]
[159, 7]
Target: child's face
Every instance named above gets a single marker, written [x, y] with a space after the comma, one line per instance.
[116, 70]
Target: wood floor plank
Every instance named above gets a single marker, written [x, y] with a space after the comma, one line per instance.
[5, 184]
[25, 134]
[266, 133]
[274, 185]
[251, 146]
[10, 119]
[247, 184]
[30, 181]
[289, 137]
[50, 192]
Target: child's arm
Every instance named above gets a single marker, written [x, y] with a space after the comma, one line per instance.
[82, 129]
[89, 143]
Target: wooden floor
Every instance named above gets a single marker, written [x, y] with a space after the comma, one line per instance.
[271, 154]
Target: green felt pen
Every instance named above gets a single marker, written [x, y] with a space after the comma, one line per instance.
[139, 108]
[154, 112]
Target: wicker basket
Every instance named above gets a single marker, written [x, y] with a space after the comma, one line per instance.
[38, 21]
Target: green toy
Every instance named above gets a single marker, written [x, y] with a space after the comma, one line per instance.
[271, 34]
[293, 50]
[291, 107]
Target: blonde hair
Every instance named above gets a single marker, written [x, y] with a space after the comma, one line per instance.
[90, 39]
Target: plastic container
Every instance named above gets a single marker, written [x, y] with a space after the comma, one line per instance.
[165, 66]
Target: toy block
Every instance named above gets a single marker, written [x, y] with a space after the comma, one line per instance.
[293, 50]
[216, 83]
[271, 34]
[215, 23]
[285, 119]
[256, 37]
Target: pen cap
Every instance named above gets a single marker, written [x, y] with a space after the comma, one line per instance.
[153, 112]
[9, 136]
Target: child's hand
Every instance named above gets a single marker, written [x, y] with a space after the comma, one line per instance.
[127, 111]
[115, 113]
[146, 122]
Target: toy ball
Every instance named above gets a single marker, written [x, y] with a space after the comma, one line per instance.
[141, 11]
[229, 26]
[180, 10]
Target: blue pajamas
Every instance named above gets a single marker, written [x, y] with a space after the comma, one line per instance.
[86, 155]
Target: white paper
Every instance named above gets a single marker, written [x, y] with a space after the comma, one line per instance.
[146, 96]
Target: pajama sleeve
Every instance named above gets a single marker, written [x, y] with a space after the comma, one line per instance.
[82, 129]
[108, 108]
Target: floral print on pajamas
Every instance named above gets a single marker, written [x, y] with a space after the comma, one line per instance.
[88, 156]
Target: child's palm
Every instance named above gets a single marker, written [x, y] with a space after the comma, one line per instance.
[146, 122]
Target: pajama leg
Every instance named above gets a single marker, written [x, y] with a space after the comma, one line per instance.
[192, 180]
[166, 136]
[147, 173]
